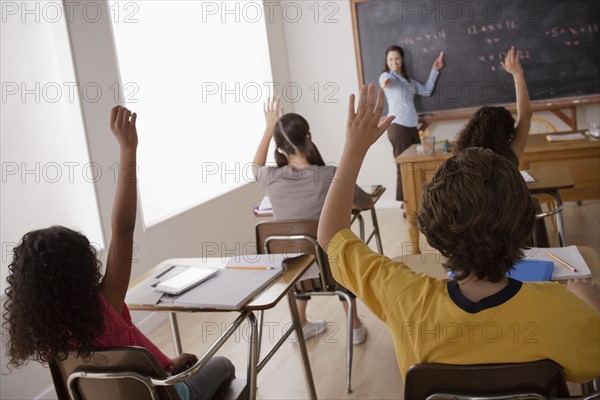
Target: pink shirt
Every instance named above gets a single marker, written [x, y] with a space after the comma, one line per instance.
[120, 331]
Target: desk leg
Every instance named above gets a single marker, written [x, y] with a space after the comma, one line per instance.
[559, 219]
[252, 357]
[310, 384]
[413, 233]
[175, 333]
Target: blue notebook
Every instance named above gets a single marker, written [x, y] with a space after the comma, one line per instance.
[532, 271]
[529, 271]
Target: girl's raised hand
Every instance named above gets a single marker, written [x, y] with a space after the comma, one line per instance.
[122, 123]
[273, 111]
[511, 63]
[363, 125]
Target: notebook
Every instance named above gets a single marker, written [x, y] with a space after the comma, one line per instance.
[532, 271]
[528, 271]
[264, 207]
[233, 286]
[527, 176]
[184, 278]
[569, 254]
[565, 137]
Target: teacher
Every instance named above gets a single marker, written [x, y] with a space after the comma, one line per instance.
[400, 91]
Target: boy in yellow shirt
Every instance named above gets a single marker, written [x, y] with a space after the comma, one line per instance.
[478, 213]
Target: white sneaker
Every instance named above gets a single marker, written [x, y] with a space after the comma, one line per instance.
[311, 329]
[359, 335]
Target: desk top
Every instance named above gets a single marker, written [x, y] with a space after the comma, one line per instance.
[430, 263]
[268, 298]
[550, 179]
[536, 143]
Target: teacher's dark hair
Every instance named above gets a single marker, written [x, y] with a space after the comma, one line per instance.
[478, 212]
[292, 135]
[402, 67]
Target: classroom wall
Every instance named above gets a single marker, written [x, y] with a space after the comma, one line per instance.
[223, 226]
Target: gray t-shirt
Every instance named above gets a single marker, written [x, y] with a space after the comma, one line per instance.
[299, 193]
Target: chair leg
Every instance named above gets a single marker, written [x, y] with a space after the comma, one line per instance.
[376, 230]
[361, 227]
[350, 337]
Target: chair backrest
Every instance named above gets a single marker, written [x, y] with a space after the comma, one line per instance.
[541, 125]
[544, 378]
[127, 361]
[296, 236]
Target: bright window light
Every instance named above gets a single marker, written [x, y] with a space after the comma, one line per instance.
[197, 74]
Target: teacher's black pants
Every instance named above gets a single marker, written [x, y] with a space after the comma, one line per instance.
[401, 137]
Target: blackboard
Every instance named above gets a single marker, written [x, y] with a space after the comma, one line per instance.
[559, 40]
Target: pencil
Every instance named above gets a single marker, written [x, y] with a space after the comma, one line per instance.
[250, 268]
[563, 263]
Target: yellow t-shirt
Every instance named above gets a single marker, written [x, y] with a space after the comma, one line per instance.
[430, 321]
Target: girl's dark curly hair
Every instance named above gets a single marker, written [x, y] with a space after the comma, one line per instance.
[478, 212]
[292, 135]
[491, 128]
[53, 303]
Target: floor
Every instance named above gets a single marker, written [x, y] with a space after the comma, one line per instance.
[375, 372]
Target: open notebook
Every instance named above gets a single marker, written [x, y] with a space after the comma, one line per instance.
[569, 254]
[233, 286]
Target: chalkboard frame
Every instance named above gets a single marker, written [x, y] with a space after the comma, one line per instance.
[555, 105]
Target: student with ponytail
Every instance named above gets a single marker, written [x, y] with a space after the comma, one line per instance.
[297, 187]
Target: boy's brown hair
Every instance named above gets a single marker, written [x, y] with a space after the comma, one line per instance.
[478, 212]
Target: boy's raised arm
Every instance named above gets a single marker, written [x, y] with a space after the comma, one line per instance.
[118, 265]
[362, 130]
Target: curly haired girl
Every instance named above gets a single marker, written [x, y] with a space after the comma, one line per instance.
[59, 302]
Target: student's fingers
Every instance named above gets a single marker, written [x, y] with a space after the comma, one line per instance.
[380, 103]
[132, 122]
[385, 124]
[125, 120]
[113, 115]
[362, 101]
[351, 113]
[518, 56]
[370, 107]
[119, 118]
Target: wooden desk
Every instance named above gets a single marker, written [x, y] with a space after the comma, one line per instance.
[430, 263]
[581, 157]
[283, 286]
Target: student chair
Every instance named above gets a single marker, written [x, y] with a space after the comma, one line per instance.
[299, 236]
[124, 373]
[542, 379]
[541, 125]
[357, 215]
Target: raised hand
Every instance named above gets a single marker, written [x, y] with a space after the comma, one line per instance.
[364, 127]
[439, 62]
[122, 123]
[511, 63]
[273, 111]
